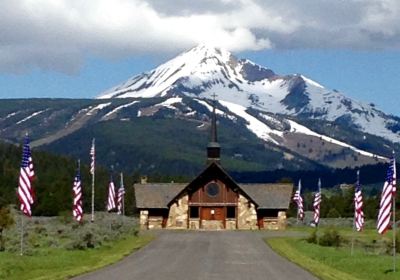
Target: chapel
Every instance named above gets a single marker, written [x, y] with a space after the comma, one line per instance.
[212, 200]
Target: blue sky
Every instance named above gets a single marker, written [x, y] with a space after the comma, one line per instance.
[68, 49]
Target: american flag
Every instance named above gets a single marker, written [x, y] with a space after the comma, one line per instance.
[92, 157]
[26, 194]
[120, 197]
[358, 204]
[388, 192]
[317, 203]
[111, 196]
[77, 210]
[299, 200]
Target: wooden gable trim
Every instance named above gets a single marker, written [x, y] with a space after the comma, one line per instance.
[226, 177]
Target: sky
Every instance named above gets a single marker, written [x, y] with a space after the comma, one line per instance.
[78, 49]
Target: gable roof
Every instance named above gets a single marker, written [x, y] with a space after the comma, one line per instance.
[269, 196]
[217, 172]
[156, 195]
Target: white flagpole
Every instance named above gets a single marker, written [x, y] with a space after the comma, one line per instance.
[394, 215]
[394, 233]
[319, 214]
[123, 196]
[93, 147]
[22, 234]
[299, 190]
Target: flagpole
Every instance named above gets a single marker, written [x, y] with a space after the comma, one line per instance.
[353, 235]
[123, 196]
[298, 210]
[394, 233]
[93, 147]
[319, 218]
[394, 212]
[22, 235]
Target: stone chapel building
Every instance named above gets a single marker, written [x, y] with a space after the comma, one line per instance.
[213, 200]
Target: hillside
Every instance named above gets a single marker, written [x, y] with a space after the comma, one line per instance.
[53, 182]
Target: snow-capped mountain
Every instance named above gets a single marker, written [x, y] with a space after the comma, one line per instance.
[203, 71]
[159, 121]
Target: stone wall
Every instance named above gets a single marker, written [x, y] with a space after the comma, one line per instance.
[212, 224]
[194, 224]
[149, 222]
[282, 219]
[178, 213]
[154, 222]
[230, 224]
[247, 214]
[278, 223]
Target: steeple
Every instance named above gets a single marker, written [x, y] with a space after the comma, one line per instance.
[213, 147]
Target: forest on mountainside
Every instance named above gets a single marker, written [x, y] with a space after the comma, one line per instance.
[55, 174]
[53, 181]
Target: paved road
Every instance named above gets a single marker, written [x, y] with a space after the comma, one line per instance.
[203, 255]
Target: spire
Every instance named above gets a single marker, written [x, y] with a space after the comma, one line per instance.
[214, 122]
[213, 147]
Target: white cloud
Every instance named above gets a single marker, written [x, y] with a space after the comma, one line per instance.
[58, 34]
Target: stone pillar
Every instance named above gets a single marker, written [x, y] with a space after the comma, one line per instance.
[144, 219]
[282, 219]
[178, 213]
[247, 214]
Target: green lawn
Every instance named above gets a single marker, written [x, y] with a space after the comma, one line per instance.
[337, 263]
[59, 263]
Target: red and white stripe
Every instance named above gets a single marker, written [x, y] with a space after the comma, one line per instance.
[358, 205]
[111, 196]
[120, 197]
[359, 214]
[120, 200]
[26, 194]
[388, 192]
[299, 200]
[77, 210]
[25, 191]
[92, 158]
[317, 203]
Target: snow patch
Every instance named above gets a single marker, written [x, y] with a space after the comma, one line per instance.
[298, 128]
[311, 82]
[254, 125]
[169, 102]
[98, 107]
[217, 111]
[11, 114]
[118, 109]
[31, 116]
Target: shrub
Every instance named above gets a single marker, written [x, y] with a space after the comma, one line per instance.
[313, 237]
[6, 221]
[330, 238]
[389, 244]
[333, 213]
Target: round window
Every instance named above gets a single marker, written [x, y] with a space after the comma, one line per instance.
[212, 189]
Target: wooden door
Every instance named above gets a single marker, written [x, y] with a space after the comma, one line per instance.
[213, 213]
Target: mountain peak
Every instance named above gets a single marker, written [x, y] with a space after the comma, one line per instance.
[206, 69]
[206, 50]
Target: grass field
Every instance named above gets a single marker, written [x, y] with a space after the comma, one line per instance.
[367, 262]
[55, 264]
[58, 248]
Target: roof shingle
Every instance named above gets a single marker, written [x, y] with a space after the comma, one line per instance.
[269, 196]
[156, 195]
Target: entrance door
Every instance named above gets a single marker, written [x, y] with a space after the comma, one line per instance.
[212, 213]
